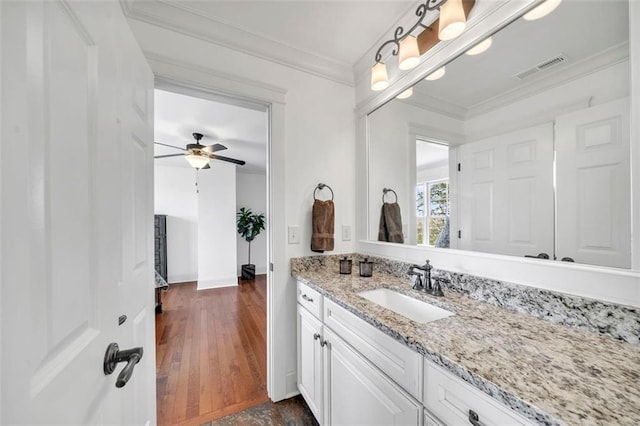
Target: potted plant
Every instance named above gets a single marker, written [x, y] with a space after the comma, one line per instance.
[249, 227]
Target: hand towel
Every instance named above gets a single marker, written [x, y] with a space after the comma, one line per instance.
[390, 228]
[322, 218]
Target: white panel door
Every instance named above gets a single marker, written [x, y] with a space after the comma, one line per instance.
[505, 193]
[310, 362]
[357, 393]
[77, 214]
[593, 185]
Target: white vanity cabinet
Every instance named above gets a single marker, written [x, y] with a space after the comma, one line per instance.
[351, 373]
[451, 399]
[339, 384]
[310, 349]
[360, 394]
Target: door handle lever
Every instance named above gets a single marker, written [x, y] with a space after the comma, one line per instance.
[113, 356]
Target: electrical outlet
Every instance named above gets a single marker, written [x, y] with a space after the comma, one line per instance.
[346, 233]
[294, 234]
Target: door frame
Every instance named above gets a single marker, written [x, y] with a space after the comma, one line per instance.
[178, 78]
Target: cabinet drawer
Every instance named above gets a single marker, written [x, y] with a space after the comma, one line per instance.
[450, 398]
[392, 357]
[310, 299]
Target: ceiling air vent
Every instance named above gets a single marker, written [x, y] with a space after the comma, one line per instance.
[542, 66]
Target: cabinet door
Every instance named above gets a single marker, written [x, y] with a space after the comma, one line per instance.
[310, 362]
[357, 393]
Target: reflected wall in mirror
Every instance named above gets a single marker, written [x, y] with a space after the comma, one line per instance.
[520, 150]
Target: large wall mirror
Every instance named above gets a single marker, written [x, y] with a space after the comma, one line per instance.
[520, 150]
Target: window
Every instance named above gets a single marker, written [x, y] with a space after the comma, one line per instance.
[432, 212]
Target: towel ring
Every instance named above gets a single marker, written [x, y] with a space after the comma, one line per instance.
[384, 192]
[322, 186]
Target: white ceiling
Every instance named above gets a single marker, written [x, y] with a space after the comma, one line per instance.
[323, 37]
[243, 131]
[338, 30]
[576, 28]
[429, 154]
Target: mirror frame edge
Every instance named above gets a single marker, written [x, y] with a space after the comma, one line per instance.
[577, 279]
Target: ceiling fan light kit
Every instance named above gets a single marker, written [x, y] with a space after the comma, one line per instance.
[196, 161]
[197, 155]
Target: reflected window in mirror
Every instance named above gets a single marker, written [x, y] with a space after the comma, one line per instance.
[432, 194]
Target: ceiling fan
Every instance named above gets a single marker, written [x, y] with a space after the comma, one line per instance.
[199, 155]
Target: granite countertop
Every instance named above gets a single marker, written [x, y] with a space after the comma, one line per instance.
[549, 373]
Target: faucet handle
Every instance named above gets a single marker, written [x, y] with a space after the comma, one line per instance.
[436, 290]
[418, 285]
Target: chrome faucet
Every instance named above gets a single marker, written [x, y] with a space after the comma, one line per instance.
[424, 282]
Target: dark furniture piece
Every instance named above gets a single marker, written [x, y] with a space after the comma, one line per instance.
[160, 239]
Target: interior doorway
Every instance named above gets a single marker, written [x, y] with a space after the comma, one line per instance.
[211, 338]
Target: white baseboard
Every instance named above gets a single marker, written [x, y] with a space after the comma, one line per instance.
[218, 282]
[181, 278]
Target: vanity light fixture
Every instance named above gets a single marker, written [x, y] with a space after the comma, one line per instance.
[452, 20]
[480, 47]
[409, 56]
[407, 93]
[408, 47]
[439, 73]
[541, 10]
[379, 77]
[197, 161]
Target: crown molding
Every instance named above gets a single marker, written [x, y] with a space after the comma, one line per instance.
[440, 106]
[543, 82]
[170, 73]
[173, 16]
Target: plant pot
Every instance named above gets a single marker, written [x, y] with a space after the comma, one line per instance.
[248, 272]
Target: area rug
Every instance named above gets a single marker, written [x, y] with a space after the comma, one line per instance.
[290, 412]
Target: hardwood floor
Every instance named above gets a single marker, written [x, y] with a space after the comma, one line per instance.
[211, 352]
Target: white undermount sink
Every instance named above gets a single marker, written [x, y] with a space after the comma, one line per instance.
[408, 307]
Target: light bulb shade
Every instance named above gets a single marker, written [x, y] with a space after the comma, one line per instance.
[541, 10]
[480, 47]
[409, 54]
[440, 72]
[407, 93]
[379, 77]
[197, 161]
[452, 20]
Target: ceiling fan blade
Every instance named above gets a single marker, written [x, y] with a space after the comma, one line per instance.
[214, 148]
[168, 155]
[227, 159]
[170, 146]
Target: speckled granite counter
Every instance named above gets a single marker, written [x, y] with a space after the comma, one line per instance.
[549, 373]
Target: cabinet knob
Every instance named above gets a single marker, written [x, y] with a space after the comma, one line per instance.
[316, 336]
[324, 343]
[307, 298]
[474, 419]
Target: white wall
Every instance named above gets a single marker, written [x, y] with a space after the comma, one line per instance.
[313, 140]
[251, 192]
[392, 161]
[217, 226]
[175, 196]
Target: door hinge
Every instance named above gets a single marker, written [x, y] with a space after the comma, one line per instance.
[271, 266]
[459, 233]
[459, 168]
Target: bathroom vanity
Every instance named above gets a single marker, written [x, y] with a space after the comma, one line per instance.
[361, 363]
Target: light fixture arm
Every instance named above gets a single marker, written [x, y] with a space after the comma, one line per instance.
[399, 34]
